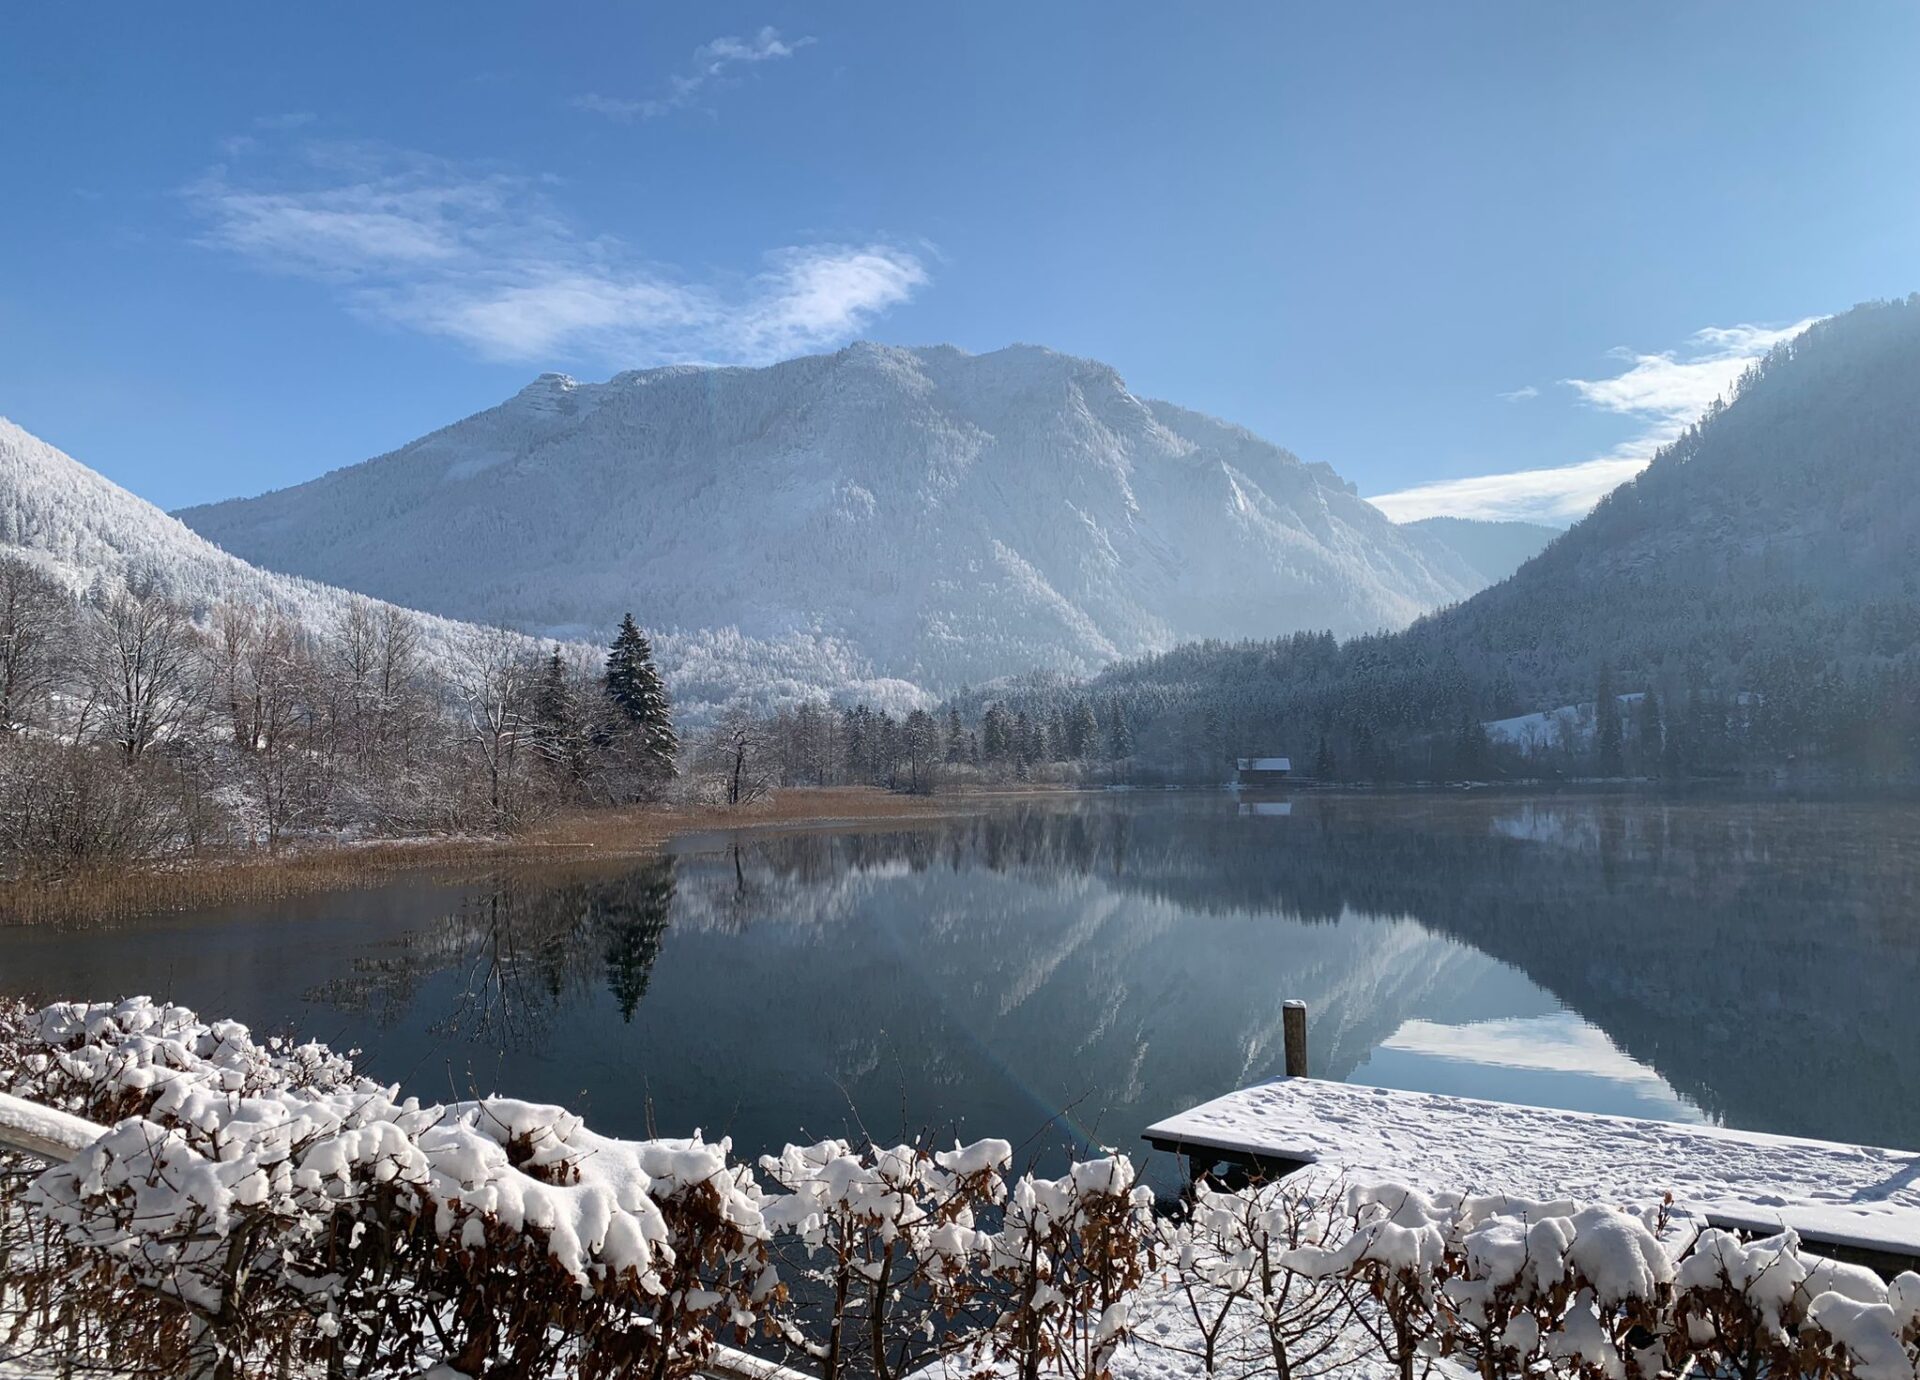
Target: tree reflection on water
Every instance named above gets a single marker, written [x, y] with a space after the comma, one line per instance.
[519, 954]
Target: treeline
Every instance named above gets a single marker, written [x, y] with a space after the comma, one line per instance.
[815, 744]
[1348, 713]
[131, 730]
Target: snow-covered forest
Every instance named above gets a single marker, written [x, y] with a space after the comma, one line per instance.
[87, 531]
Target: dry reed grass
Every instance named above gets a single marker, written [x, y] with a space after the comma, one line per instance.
[128, 893]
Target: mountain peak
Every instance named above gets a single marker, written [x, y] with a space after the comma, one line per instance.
[947, 517]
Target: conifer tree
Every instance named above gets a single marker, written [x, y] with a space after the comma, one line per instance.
[1082, 731]
[994, 732]
[1606, 725]
[1470, 748]
[1323, 765]
[557, 721]
[1646, 732]
[643, 716]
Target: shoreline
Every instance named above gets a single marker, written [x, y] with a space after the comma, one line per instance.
[581, 835]
[589, 836]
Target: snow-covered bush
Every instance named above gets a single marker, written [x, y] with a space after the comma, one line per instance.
[888, 1248]
[1250, 1313]
[291, 1211]
[109, 1060]
[1555, 1288]
[261, 1208]
[1754, 1307]
[1396, 1251]
[1064, 1266]
[1869, 1331]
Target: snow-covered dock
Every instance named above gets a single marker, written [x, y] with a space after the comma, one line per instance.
[1850, 1200]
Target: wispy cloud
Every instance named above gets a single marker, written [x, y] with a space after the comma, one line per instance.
[1664, 392]
[486, 258]
[1519, 394]
[710, 65]
[1559, 496]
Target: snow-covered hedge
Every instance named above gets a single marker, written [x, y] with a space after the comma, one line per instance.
[296, 1212]
[1506, 1287]
[261, 1208]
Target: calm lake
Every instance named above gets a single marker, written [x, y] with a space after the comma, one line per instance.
[1067, 972]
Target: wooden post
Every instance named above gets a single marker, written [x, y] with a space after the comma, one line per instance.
[1294, 1022]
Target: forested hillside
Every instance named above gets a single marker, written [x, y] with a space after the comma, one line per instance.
[1761, 578]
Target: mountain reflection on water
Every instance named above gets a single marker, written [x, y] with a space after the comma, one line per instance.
[1069, 971]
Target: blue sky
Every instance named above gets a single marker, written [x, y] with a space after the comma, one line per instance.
[1430, 244]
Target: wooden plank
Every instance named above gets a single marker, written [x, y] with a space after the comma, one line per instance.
[1839, 1197]
[35, 1130]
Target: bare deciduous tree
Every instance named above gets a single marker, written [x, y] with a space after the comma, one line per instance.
[35, 614]
[141, 651]
[494, 681]
[736, 758]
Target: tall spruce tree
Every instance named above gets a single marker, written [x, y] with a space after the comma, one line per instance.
[1606, 725]
[1083, 733]
[1649, 744]
[557, 722]
[643, 716]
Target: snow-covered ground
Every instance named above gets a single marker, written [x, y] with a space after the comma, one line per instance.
[1570, 726]
[85, 529]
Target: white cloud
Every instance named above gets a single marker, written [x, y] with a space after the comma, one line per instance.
[1519, 394]
[710, 63]
[1664, 392]
[485, 258]
[1558, 496]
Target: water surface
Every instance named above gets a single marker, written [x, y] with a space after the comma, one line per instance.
[1064, 973]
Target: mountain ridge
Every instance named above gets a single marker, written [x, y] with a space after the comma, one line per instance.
[946, 517]
[83, 528]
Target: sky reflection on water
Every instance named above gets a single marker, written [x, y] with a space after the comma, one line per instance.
[1064, 973]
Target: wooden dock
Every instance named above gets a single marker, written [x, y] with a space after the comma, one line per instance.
[1853, 1202]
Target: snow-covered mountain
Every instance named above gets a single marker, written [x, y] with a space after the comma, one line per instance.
[84, 528]
[1494, 550]
[924, 514]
